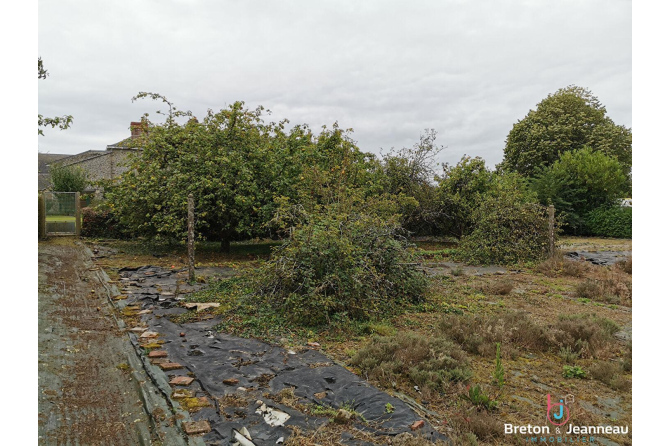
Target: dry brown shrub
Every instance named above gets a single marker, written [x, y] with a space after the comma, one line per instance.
[610, 288]
[558, 265]
[626, 265]
[430, 363]
[482, 424]
[610, 374]
[500, 288]
[479, 334]
[586, 333]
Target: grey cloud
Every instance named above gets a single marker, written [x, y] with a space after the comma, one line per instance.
[387, 69]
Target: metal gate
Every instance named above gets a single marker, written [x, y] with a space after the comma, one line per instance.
[60, 213]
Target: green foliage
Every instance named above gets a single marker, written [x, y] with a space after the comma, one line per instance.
[68, 178]
[389, 408]
[579, 182]
[409, 172]
[425, 362]
[462, 188]
[237, 167]
[495, 214]
[62, 122]
[477, 397]
[340, 260]
[612, 221]
[565, 121]
[507, 232]
[499, 371]
[576, 371]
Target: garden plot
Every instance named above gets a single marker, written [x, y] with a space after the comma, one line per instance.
[242, 386]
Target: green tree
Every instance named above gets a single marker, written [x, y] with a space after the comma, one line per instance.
[409, 174]
[462, 188]
[565, 121]
[238, 168]
[580, 182]
[226, 161]
[62, 122]
[68, 178]
[347, 259]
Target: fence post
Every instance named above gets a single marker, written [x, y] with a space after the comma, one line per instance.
[42, 217]
[191, 239]
[77, 214]
[552, 242]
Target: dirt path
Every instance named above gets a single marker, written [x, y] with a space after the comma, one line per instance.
[89, 391]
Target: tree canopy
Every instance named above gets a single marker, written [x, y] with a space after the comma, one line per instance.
[567, 120]
[580, 182]
[236, 166]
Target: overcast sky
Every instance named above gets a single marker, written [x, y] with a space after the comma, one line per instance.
[387, 69]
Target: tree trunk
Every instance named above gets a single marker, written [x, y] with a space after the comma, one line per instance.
[225, 243]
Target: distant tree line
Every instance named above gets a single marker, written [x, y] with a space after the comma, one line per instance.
[245, 173]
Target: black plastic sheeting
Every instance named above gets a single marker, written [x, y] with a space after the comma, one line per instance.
[260, 368]
[601, 258]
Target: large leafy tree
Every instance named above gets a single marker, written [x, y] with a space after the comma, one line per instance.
[238, 168]
[228, 162]
[62, 122]
[567, 120]
[580, 182]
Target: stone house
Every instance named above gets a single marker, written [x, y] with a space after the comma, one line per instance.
[98, 164]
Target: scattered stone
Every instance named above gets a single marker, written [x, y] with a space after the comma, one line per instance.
[182, 334]
[231, 381]
[199, 306]
[417, 425]
[313, 344]
[158, 354]
[170, 366]
[196, 427]
[182, 393]
[181, 381]
[157, 361]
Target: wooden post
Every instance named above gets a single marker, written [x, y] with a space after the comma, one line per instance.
[191, 239]
[77, 214]
[42, 217]
[552, 242]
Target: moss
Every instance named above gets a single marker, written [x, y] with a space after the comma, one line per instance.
[194, 404]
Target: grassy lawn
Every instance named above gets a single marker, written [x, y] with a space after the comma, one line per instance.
[564, 329]
[60, 218]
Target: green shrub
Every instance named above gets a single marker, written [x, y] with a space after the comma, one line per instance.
[425, 362]
[68, 178]
[506, 232]
[613, 221]
[477, 397]
[341, 262]
[570, 371]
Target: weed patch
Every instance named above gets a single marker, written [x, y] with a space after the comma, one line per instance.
[425, 362]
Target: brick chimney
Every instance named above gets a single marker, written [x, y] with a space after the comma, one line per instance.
[136, 129]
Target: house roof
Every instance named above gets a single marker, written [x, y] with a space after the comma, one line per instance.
[44, 159]
[128, 143]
